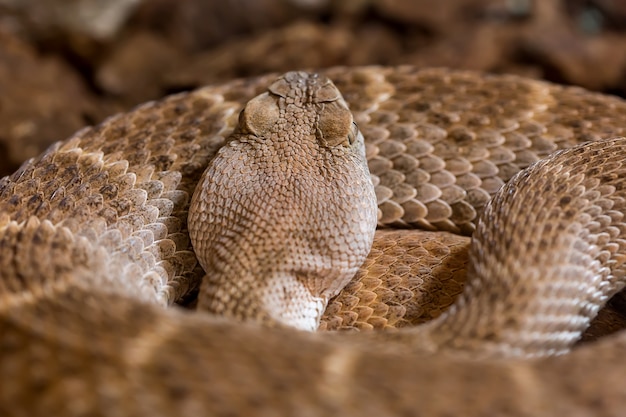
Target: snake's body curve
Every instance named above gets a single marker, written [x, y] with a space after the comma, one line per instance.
[94, 243]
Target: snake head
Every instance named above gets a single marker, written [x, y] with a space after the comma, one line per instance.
[286, 212]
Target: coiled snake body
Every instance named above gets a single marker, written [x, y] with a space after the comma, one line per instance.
[95, 242]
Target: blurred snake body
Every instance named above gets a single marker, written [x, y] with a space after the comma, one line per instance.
[96, 239]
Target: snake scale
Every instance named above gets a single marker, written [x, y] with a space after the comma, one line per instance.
[94, 243]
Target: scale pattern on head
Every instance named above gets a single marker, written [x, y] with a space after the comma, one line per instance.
[286, 212]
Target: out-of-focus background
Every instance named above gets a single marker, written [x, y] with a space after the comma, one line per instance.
[65, 64]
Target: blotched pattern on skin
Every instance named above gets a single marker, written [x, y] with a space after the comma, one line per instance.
[94, 242]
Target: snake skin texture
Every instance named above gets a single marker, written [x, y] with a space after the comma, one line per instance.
[95, 243]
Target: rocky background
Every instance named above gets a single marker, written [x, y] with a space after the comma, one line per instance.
[65, 64]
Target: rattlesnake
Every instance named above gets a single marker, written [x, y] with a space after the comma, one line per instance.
[94, 242]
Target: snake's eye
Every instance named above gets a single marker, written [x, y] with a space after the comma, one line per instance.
[353, 134]
[334, 125]
[259, 115]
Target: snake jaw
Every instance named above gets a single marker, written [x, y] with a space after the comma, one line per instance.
[288, 301]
